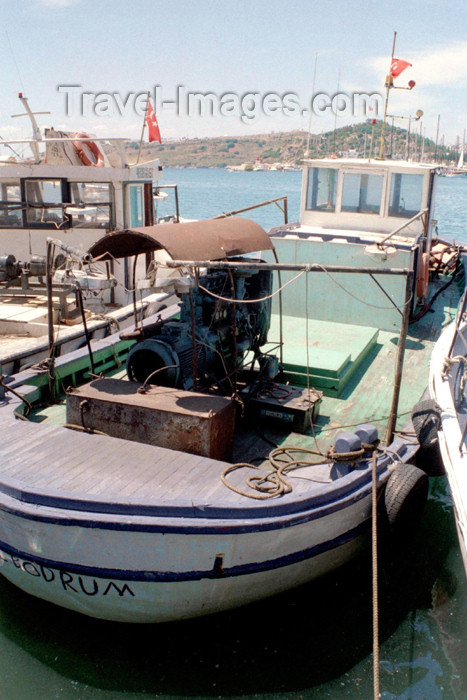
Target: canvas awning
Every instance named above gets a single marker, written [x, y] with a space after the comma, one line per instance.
[209, 239]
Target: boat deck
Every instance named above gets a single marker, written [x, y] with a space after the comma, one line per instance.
[364, 396]
[45, 463]
[55, 467]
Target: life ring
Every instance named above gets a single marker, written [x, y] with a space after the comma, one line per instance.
[87, 148]
[423, 275]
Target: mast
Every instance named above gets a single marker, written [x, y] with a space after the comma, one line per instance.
[307, 151]
[436, 143]
[395, 69]
[388, 86]
[460, 164]
[36, 132]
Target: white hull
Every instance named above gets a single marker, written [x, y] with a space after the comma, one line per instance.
[452, 437]
[151, 576]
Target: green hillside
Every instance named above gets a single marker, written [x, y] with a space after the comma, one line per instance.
[288, 148]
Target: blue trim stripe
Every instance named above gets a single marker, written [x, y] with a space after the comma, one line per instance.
[177, 576]
[199, 525]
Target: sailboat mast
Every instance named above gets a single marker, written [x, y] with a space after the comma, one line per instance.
[460, 164]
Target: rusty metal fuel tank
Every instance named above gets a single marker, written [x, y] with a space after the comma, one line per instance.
[201, 424]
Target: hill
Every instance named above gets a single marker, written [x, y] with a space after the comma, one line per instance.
[288, 148]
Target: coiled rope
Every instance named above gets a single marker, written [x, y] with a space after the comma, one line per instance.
[273, 483]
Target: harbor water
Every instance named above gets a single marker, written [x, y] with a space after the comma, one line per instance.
[313, 642]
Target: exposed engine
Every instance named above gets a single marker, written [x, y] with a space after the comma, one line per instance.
[212, 336]
[13, 271]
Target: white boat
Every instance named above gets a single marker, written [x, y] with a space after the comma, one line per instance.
[148, 491]
[461, 169]
[75, 188]
[447, 415]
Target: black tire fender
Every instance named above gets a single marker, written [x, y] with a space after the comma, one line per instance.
[426, 420]
[405, 496]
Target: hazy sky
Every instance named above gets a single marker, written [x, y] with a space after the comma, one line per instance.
[263, 47]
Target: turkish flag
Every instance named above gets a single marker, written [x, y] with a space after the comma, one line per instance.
[153, 127]
[397, 66]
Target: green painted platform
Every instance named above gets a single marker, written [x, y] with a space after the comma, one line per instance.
[335, 351]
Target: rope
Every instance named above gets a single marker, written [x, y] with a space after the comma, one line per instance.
[374, 551]
[273, 483]
[90, 431]
[448, 363]
[251, 301]
[362, 301]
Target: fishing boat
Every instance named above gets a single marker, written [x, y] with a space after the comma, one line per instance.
[73, 187]
[445, 417]
[243, 441]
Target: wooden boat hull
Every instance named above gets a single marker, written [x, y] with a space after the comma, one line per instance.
[151, 569]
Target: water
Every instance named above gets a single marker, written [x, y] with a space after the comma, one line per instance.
[312, 643]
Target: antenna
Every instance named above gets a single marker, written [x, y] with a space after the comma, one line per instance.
[307, 151]
[335, 113]
[35, 129]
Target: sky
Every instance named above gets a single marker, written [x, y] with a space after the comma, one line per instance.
[261, 61]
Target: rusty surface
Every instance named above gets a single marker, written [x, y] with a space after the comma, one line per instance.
[180, 420]
[210, 239]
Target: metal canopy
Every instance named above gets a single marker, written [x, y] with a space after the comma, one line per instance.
[210, 239]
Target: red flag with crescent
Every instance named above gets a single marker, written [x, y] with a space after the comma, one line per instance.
[153, 127]
[397, 66]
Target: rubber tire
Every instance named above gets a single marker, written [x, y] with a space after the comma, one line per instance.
[405, 496]
[426, 420]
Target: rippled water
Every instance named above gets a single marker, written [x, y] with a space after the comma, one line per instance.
[314, 642]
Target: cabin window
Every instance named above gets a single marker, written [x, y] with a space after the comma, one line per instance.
[362, 193]
[321, 191]
[11, 209]
[91, 205]
[44, 203]
[406, 195]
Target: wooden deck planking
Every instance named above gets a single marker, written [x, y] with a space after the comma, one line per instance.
[48, 466]
[157, 479]
[181, 470]
[118, 478]
[24, 455]
[130, 478]
[112, 468]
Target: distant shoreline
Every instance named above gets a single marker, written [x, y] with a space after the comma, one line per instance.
[286, 149]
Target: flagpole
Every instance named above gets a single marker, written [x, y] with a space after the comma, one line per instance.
[142, 130]
[388, 87]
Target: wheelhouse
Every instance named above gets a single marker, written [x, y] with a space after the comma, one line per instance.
[373, 196]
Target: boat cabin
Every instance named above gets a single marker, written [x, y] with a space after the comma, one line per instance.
[367, 196]
[74, 187]
[365, 214]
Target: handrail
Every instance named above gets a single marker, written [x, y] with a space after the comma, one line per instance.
[283, 209]
[399, 228]
[55, 139]
[290, 267]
